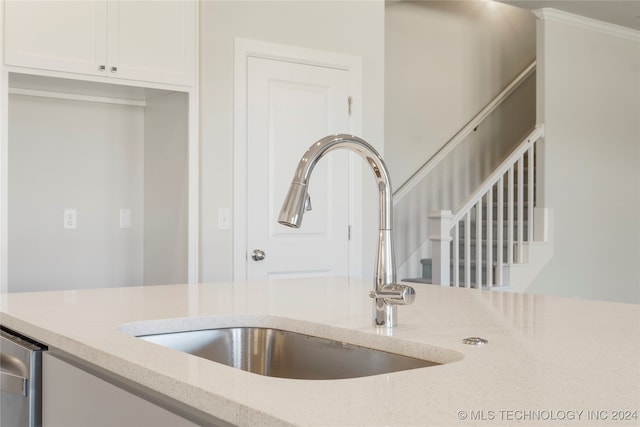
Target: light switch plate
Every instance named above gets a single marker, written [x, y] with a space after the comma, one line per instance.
[125, 218]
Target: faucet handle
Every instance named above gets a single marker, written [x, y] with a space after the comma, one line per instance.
[395, 294]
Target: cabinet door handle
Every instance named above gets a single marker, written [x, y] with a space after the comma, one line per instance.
[102, 67]
[114, 69]
[11, 377]
[14, 384]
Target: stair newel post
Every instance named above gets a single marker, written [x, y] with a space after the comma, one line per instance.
[440, 226]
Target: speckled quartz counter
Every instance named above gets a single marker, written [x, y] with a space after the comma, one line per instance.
[549, 361]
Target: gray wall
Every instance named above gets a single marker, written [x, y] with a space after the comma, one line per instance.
[97, 158]
[350, 27]
[82, 155]
[166, 189]
[589, 100]
[444, 62]
[459, 174]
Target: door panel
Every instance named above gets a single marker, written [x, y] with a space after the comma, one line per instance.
[290, 107]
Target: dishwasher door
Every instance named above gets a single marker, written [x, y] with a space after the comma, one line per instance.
[20, 380]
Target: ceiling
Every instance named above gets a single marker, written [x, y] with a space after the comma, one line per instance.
[620, 12]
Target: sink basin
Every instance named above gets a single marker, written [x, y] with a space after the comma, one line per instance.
[285, 354]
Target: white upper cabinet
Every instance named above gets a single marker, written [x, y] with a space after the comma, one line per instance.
[66, 36]
[152, 41]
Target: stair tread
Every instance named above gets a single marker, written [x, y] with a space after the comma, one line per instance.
[427, 281]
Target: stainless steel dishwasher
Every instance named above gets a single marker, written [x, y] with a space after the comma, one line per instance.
[20, 380]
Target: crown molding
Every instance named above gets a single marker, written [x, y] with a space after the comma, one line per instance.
[555, 15]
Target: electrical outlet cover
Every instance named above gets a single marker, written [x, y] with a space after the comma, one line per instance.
[70, 219]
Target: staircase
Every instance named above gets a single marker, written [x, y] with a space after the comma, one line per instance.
[508, 252]
[479, 243]
[476, 245]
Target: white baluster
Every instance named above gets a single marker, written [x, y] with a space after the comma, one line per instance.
[530, 159]
[500, 232]
[456, 255]
[440, 226]
[467, 250]
[510, 216]
[520, 207]
[479, 244]
[489, 234]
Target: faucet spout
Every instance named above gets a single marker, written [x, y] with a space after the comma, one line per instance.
[387, 293]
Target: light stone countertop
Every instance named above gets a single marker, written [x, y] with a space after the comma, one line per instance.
[549, 361]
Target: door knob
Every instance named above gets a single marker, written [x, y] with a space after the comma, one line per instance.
[257, 255]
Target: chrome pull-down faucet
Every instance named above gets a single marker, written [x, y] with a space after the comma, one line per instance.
[387, 294]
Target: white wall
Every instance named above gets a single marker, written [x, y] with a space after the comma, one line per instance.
[350, 27]
[81, 155]
[589, 101]
[4, 101]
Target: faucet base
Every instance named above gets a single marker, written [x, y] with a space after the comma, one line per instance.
[386, 300]
[384, 315]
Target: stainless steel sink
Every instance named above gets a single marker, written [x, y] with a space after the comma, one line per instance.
[286, 354]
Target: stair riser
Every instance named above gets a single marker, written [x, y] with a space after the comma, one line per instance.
[505, 193]
[473, 252]
[505, 211]
[505, 229]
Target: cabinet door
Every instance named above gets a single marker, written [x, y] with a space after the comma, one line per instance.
[72, 397]
[152, 40]
[56, 35]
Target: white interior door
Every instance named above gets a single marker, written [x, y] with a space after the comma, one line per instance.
[291, 106]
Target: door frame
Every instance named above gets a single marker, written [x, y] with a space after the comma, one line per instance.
[245, 48]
